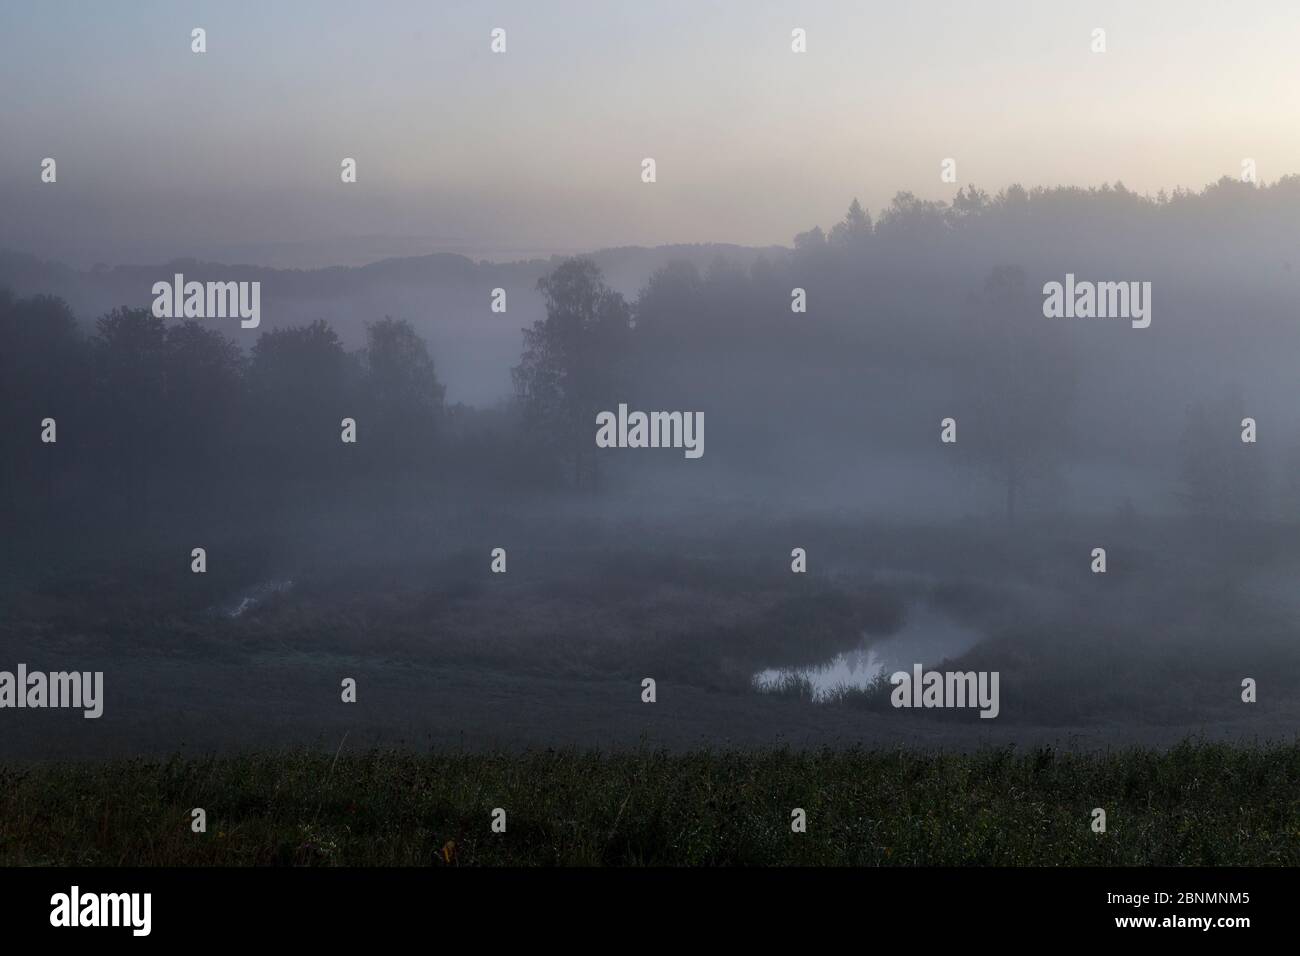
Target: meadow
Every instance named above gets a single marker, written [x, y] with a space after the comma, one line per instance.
[1193, 804]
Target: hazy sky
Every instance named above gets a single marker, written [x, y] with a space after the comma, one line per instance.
[235, 153]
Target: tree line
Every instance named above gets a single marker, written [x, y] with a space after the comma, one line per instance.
[149, 410]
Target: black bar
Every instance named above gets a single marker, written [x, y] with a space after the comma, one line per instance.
[976, 905]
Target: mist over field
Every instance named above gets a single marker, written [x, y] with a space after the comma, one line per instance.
[824, 430]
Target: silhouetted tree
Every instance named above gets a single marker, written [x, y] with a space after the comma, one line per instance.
[814, 240]
[300, 388]
[669, 301]
[911, 224]
[130, 362]
[572, 362]
[404, 395]
[203, 391]
[854, 230]
[42, 375]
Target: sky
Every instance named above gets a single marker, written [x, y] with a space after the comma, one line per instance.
[234, 154]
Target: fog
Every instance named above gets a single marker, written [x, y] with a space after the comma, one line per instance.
[920, 463]
[969, 349]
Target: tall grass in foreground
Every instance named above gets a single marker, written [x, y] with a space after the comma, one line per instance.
[1195, 804]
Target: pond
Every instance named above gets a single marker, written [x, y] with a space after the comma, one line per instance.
[927, 637]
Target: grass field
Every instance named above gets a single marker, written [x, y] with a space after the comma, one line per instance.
[1197, 803]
